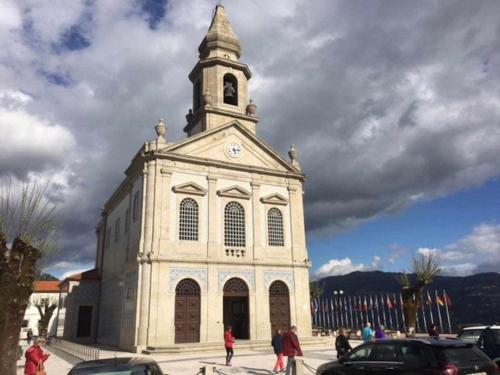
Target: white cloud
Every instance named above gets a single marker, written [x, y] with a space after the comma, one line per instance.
[477, 252]
[335, 267]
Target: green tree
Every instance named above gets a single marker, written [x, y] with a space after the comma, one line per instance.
[27, 231]
[425, 268]
[315, 290]
[46, 277]
[46, 308]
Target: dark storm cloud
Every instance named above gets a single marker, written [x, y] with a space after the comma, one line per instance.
[387, 102]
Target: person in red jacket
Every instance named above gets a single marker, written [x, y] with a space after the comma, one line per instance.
[35, 357]
[229, 343]
[291, 348]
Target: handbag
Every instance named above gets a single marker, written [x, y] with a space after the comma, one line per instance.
[40, 370]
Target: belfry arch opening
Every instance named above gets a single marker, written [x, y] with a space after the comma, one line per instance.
[230, 89]
[235, 308]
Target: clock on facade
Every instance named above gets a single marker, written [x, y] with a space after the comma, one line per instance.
[233, 150]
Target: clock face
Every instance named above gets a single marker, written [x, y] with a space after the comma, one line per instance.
[233, 150]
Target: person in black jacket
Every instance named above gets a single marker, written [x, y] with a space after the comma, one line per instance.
[342, 343]
[277, 344]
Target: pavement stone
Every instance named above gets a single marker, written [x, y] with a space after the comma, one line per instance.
[256, 362]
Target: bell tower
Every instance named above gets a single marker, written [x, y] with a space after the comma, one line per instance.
[220, 81]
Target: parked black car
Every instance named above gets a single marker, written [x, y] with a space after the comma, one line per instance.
[412, 357]
[486, 337]
[117, 366]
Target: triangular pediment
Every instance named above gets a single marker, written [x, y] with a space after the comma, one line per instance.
[216, 144]
[275, 199]
[189, 188]
[234, 192]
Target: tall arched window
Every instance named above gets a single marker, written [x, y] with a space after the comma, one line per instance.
[230, 89]
[275, 227]
[188, 220]
[234, 225]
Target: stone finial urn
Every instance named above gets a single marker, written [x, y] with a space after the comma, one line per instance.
[251, 109]
[207, 98]
[161, 130]
[292, 153]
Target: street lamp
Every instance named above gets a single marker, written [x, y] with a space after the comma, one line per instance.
[338, 305]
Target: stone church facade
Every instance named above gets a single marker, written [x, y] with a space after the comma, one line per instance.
[208, 231]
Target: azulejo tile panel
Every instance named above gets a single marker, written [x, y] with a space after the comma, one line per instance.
[198, 274]
[224, 275]
[286, 276]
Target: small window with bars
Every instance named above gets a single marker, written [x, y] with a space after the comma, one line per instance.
[188, 220]
[234, 225]
[275, 227]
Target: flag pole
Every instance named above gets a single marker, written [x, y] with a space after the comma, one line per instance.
[402, 312]
[423, 314]
[447, 311]
[347, 312]
[429, 302]
[389, 306]
[356, 311]
[350, 312]
[371, 308]
[396, 311]
[439, 311]
[383, 309]
[377, 307]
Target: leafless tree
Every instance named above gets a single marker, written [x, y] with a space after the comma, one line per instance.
[27, 232]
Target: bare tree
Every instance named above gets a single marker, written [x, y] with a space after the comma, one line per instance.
[27, 231]
[425, 268]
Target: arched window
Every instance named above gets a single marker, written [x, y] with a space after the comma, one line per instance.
[234, 225]
[196, 96]
[230, 89]
[275, 227]
[188, 220]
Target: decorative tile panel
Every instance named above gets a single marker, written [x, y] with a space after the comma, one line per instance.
[199, 274]
[286, 276]
[223, 276]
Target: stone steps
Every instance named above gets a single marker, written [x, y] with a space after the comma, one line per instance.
[240, 344]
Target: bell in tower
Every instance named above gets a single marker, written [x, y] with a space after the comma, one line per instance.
[220, 80]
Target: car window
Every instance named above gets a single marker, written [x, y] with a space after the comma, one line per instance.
[384, 353]
[470, 335]
[491, 336]
[415, 356]
[463, 355]
[361, 353]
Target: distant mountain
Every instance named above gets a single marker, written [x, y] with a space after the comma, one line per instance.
[475, 299]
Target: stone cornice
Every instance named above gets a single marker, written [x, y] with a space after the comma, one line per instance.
[211, 109]
[266, 263]
[205, 63]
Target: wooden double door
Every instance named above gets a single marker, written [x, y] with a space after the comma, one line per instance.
[187, 312]
[279, 306]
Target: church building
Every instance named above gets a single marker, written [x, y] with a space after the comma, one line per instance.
[205, 232]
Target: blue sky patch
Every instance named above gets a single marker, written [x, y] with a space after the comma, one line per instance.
[155, 11]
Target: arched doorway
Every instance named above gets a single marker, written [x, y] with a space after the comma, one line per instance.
[187, 312]
[279, 306]
[235, 311]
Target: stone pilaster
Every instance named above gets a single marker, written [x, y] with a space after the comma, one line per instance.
[257, 233]
[165, 226]
[145, 263]
[299, 253]
[213, 250]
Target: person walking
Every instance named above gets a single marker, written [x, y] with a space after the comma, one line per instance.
[229, 343]
[342, 344]
[277, 344]
[291, 348]
[35, 357]
[367, 333]
[433, 331]
[380, 332]
[29, 336]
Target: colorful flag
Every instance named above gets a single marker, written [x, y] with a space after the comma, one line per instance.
[429, 299]
[389, 303]
[365, 305]
[439, 301]
[447, 299]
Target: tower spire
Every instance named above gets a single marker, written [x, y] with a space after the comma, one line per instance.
[220, 36]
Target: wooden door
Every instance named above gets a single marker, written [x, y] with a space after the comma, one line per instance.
[279, 306]
[187, 312]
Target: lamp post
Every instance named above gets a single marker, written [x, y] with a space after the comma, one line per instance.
[337, 294]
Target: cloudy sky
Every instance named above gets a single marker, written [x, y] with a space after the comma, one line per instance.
[394, 107]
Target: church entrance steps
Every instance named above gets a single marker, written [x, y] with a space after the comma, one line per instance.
[239, 345]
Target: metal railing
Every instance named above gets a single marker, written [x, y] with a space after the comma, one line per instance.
[83, 352]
